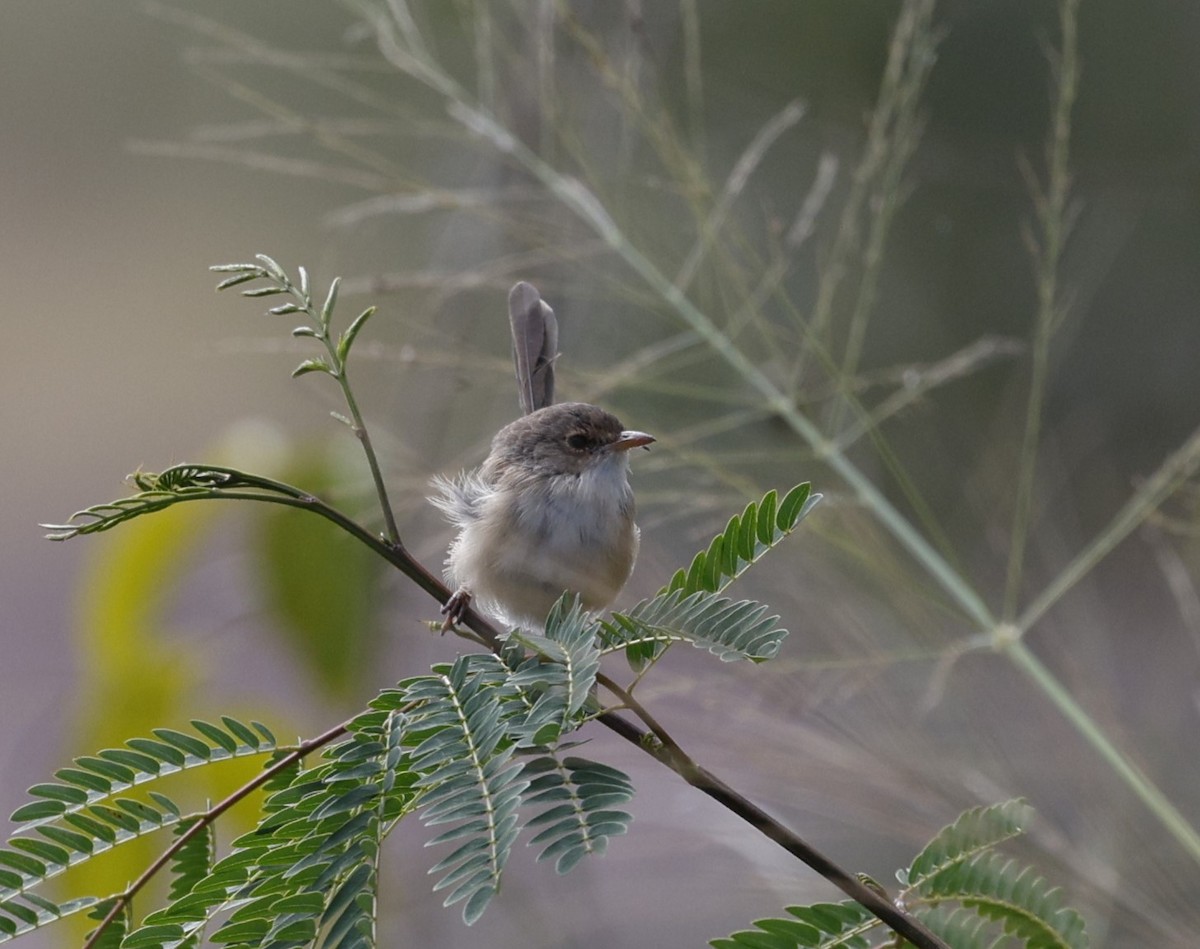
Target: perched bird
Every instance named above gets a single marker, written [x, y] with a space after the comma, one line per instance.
[550, 510]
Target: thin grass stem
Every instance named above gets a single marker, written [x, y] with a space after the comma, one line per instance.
[1145, 789]
[1181, 465]
[1050, 201]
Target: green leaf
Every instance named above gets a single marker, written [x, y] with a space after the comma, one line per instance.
[118, 818]
[843, 925]
[37, 811]
[154, 937]
[959, 927]
[140, 762]
[217, 736]
[468, 777]
[346, 340]
[321, 585]
[60, 792]
[68, 838]
[193, 861]
[1022, 902]
[960, 866]
[41, 849]
[264, 291]
[159, 750]
[569, 642]
[84, 779]
[109, 769]
[249, 931]
[315, 364]
[351, 909]
[142, 812]
[23, 863]
[188, 744]
[92, 827]
[974, 832]
[746, 538]
[321, 826]
[330, 302]
[271, 267]
[792, 507]
[579, 818]
[244, 734]
[729, 629]
[236, 279]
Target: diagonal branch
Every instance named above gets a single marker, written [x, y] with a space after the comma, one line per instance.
[230, 484]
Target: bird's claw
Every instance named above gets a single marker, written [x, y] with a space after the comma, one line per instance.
[455, 608]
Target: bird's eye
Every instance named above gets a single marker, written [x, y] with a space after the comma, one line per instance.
[578, 441]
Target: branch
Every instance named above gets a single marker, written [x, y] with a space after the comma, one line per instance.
[703, 780]
[196, 482]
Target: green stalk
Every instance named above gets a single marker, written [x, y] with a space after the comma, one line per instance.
[1181, 465]
[364, 438]
[1145, 789]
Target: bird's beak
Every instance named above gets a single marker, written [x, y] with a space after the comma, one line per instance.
[630, 440]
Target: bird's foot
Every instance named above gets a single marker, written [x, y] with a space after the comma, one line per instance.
[456, 608]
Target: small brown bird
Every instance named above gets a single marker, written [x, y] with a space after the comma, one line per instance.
[550, 510]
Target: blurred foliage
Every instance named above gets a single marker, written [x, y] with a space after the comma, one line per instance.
[138, 670]
[320, 584]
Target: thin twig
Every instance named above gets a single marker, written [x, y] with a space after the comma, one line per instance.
[743, 168]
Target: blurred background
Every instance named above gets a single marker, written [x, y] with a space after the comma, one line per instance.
[859, 231]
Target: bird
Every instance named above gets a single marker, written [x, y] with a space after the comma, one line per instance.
[550, 511]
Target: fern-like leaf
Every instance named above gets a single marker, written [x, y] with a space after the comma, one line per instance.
[746, 538]
[193, 861]
[959, 866]
[349, 919]
[186, 482]
[821, 926]
[102, 517]
[1022, 902]
[97, 778]
[115, 931]
[83, 814]
[973, 833]
[959, 887]
[580, 797]
[960, 927]
[467, 778]
[302, 869]
[729, 629]
[564, 682]
[27, 912]
[534, 709]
